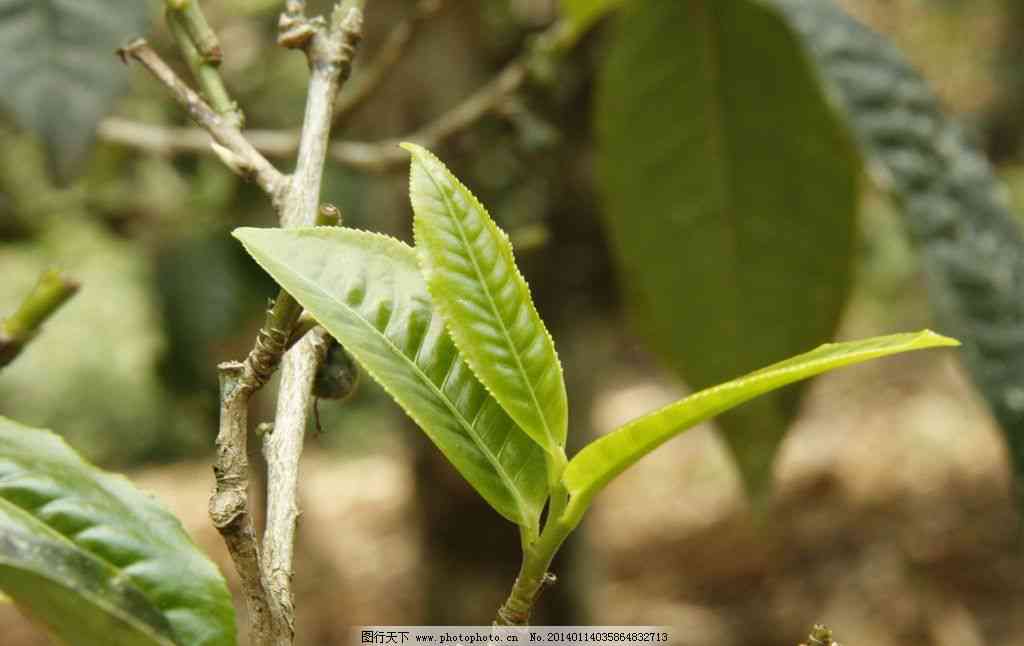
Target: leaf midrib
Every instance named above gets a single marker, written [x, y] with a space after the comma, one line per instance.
[494, 309]
[718, 141]
[521, 503]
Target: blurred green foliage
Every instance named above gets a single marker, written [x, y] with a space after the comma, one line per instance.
[92, 372]
[56, 59]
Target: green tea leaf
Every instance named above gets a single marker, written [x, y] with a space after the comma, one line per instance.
[76, 541]
[731, 194]
[472, 276]
[367, 291]
[59, 71]
[600, 461]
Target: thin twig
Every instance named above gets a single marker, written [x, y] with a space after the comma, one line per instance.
[199, 31]
[229, 504]
[329, 50]
[240, 155]
[52, 291]
[402, 35]
[375, 157]
[200, 48]
[266, 576]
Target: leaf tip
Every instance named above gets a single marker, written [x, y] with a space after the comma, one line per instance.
[413, 149]
[242, 233]
[934, 339]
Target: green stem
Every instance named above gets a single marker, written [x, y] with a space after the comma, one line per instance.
[281, 329]
[198, 45]
[205, 39]
[285, 312]
[52, 291]
[533, 574]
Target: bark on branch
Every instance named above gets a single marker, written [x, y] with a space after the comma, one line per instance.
[266, 574]
[329, 48]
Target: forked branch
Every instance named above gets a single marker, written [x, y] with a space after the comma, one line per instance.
[329, 46]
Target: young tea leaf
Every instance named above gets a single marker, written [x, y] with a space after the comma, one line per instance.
[73, 536]
[472, 276]
[608, 456]
[366, 290]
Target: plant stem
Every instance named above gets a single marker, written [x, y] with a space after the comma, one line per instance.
[236, 151]
[329, 49]
[229, 504]
[371, 157]
[52, 291]
[533, 574]
[266, 574]
[200, 48]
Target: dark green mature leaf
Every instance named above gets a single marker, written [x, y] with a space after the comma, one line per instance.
[58, 69]
[955, 208]
[472, 276]
[367, 291]
[731, 194]
[114, 545]
[81, 599]
[608, 456]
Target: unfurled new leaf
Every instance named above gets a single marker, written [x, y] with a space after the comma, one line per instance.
[367, 291]
[608, 456]
[96, 559]
[472, 276]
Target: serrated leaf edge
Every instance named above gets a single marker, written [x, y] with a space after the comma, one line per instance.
[553, 439]
[525, 519]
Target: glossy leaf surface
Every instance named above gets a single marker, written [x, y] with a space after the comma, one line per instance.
[608, 456]
[73, 534]
[731, 192]
[471, 273]
[367, 291]
[58, 68]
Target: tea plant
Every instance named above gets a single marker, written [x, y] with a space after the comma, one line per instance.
[449, 330]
